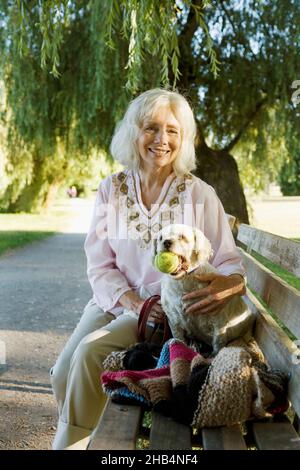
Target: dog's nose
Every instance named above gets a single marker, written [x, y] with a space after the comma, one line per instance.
[167, 244]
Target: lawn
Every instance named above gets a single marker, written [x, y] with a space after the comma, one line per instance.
[20, 229]
[283, 273]
[10, 239]
[286, 276]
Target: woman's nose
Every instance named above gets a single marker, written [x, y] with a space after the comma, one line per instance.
[160, 137]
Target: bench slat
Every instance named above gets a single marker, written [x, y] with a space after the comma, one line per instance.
[283, 299]
[276, 436]
[277, 249]
[223, 438]
[118, 428]
[279, 350]
[167, 434]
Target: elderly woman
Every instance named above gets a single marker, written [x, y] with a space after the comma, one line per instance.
[155, 143]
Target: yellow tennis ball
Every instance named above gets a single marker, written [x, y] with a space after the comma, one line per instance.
[166, 262]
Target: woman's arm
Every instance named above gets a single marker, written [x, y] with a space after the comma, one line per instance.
[230, 279]
[110, 286]
[212, 298]
[107, 282]
[131, 301]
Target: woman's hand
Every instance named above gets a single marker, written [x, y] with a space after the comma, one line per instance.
[212, 298]
[156, 313]
[132, 301]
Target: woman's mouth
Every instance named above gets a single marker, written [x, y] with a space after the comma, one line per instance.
[159, 152]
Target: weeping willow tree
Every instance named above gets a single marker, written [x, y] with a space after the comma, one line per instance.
[70, 68]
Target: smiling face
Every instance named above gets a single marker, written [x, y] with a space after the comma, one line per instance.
[159, 140]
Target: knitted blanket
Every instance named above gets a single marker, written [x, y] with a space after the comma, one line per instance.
[231, 388]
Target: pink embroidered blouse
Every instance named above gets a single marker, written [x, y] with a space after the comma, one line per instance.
[118, 244]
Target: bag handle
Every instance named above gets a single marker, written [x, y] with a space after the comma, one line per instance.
[143, 318]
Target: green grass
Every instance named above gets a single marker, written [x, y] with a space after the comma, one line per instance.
[17, 230]
[10, 240]
[292, 280]
[281, 272]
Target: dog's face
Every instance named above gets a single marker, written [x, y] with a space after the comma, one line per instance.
[189, 243]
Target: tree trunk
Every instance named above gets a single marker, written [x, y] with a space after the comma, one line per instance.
[216, 167]
[49, 197]
[38, 194]
[29, 200]
[219, 169]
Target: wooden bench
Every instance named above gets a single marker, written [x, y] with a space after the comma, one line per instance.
[121, 427]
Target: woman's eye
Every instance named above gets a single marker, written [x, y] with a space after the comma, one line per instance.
[153, 129]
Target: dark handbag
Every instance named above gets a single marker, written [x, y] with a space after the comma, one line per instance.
[143, 318]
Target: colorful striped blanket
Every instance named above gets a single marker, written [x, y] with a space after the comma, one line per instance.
[230, 388]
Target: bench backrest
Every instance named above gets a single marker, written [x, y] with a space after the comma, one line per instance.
[278, 343]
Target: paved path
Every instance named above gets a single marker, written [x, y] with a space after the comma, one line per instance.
[43, 289]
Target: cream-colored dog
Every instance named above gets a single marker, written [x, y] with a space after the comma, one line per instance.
[194, 250]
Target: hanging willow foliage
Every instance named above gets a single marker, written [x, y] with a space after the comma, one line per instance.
[69, 69]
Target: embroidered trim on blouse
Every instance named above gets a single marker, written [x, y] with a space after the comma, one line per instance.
[159, 205]
[143, 227]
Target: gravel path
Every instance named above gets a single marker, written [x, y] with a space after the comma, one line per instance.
[43, 291]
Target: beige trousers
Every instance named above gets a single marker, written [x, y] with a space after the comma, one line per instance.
[75, 377]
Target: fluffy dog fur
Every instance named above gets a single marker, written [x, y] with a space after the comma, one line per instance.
[194, 249]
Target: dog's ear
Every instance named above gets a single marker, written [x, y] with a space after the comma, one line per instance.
[202, 248]
[207, 250]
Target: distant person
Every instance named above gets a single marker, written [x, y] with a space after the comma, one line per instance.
[72, 192]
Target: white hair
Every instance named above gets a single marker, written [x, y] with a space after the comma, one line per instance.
[124, 146]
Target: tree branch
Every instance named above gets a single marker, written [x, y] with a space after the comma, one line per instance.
[200, 140]
[184, 43]
[244, 127]
[191, 25]
[238, 36]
